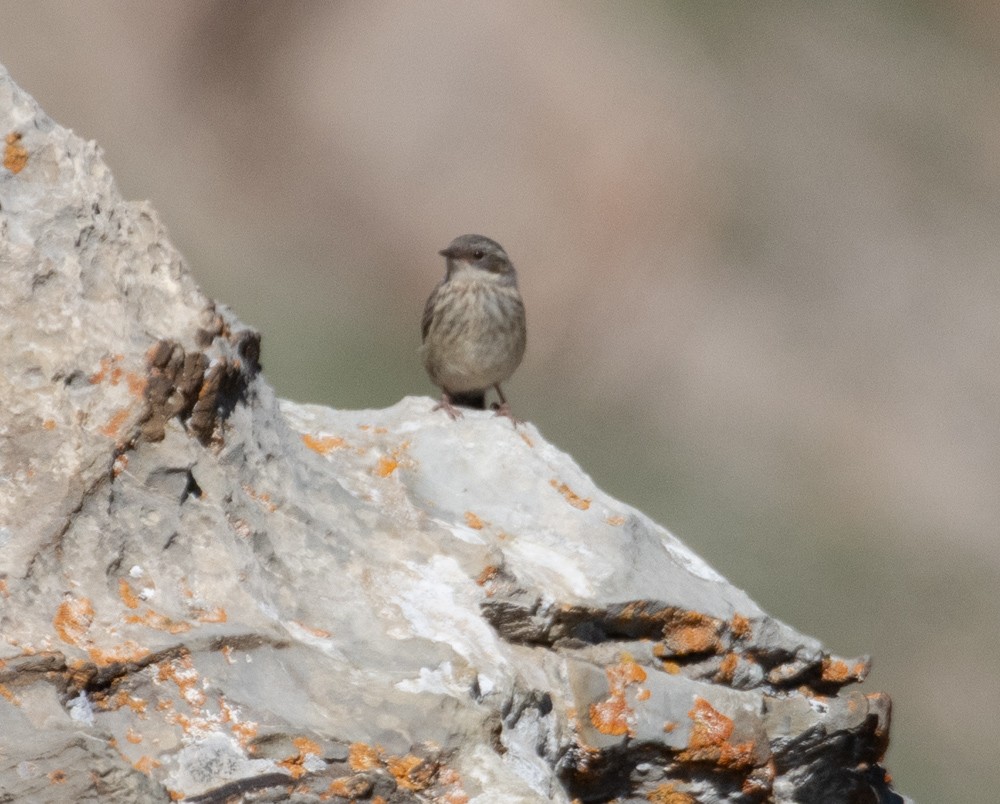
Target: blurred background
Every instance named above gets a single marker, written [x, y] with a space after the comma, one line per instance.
[758, 245]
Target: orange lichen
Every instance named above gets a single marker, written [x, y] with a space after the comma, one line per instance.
[879, 699]
[316, 632]
[7, 694]
[73, 619]
[187, 724]
[108, 368]
[262, 497]
[136, 384]
[740, 626]
[15, 155]
[295, 765]
[127, 651]
[666, 665]
[667, 793]
[387, 464]
[157, 621]
[473, 521]
[362, 757]
[615, 521]
[123, 700]
[49, 424]
[216, 615]
[133, 736]
[323, 444]
[709, 740]
[3, 588]
[629, 671]
[180, 671]
[760, 781]
[244, 731]
[120, 465]
[129, 598]
[489, 572]
[571, 497]
[837, 671]
[669, 726]
[114, 423]
[410, 772]
[728, 667]
[146, 764]
[613, 715]
[306, 746]
[57, 777]
[693, 632]
[710, 727]
[449, 777]
[350, 787]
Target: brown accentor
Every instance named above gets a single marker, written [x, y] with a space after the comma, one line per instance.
[473, 325]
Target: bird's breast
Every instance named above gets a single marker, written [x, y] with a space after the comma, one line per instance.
[476, 336]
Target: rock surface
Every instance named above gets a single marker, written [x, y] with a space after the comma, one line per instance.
[212, 595]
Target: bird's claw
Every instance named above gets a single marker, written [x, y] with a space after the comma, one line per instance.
[445, 404]
[503, 409]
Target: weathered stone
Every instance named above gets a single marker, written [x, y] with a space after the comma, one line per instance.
[214, 595]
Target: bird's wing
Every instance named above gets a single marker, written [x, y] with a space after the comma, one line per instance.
[425, 323]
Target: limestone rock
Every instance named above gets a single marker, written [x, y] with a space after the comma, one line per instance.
[212, 595]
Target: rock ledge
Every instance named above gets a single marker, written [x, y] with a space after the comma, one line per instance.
[212, 595]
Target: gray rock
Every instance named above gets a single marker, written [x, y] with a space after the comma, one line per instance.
[215, 595]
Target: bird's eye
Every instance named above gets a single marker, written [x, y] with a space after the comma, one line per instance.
[478, 254]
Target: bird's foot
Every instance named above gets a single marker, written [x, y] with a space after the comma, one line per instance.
[445, 404]
[503, 409]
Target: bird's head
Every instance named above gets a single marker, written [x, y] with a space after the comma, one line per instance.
[477, 253]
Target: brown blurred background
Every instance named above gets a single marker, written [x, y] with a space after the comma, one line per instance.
[758, 245]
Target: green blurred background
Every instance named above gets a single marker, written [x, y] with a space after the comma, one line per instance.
[758, 245]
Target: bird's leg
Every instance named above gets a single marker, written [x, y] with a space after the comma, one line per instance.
[503, 409]
[445, 405]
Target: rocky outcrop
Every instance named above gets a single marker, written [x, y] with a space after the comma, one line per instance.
[212, 595]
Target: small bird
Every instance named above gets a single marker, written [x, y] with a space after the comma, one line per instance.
[473, 326]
